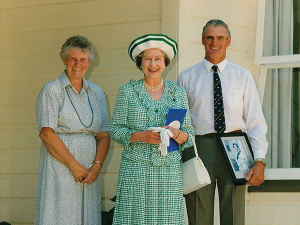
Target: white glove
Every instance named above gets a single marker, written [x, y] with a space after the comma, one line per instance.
[155, 129]
[165, 135]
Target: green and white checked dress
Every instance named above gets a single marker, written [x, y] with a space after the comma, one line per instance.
[150, 185]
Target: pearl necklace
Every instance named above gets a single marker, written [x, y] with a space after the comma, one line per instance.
[153, 89]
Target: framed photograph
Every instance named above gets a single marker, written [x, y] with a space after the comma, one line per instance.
[238, 153]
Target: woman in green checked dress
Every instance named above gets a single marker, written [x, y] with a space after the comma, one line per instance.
[150, 183]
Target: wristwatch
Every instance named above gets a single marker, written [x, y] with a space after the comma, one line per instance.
[261, 160]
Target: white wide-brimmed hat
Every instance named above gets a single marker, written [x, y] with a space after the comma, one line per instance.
[160, 41]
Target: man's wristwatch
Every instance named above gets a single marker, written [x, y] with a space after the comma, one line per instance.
[261, 160]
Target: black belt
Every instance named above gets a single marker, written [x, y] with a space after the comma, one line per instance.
[214, 135]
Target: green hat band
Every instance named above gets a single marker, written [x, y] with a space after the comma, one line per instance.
[159, 41]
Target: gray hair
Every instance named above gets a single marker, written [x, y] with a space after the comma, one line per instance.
[216, 23]
[77, 42]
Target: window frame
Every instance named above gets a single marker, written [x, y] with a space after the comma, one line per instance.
[263, 75]
[259, 58]
[266, 63]
[282, 174]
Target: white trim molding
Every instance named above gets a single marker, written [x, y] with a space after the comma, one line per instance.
[282, 174]
[259, 58]
[263, 75]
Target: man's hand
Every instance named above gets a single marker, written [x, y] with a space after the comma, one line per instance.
[256, 175]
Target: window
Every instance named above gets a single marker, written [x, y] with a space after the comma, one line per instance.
[277, 39]
[278, 53]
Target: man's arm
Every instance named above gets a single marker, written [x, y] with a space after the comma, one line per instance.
[256, 131]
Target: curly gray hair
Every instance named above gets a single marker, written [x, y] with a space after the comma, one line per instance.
[77, 42]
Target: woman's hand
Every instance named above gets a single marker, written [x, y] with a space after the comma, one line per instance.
[59, 151]
[178, 135]
[78, 171]
[146, 136]
[93, 173]
[173, 130]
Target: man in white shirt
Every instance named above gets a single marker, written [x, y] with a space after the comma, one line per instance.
[242, 112]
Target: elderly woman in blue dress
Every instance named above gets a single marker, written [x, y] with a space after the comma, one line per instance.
[73, 126]
[150, 183]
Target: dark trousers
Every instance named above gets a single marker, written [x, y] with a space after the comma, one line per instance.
[200, 203]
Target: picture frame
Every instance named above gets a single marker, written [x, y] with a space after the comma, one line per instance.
[238, 154]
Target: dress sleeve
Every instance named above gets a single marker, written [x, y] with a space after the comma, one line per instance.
[104, 114]
[119, 127]
[187, 123]
[47, 108]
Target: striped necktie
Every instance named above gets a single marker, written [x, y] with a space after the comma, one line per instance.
[220, 125]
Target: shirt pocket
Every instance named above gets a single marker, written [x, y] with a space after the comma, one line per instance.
[236, 100]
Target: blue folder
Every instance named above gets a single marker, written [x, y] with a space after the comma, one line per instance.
[175, 114]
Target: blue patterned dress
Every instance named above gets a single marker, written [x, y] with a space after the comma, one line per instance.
[150, 185]
[61, 200]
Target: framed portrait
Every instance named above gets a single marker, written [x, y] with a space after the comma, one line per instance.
[238, 154]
